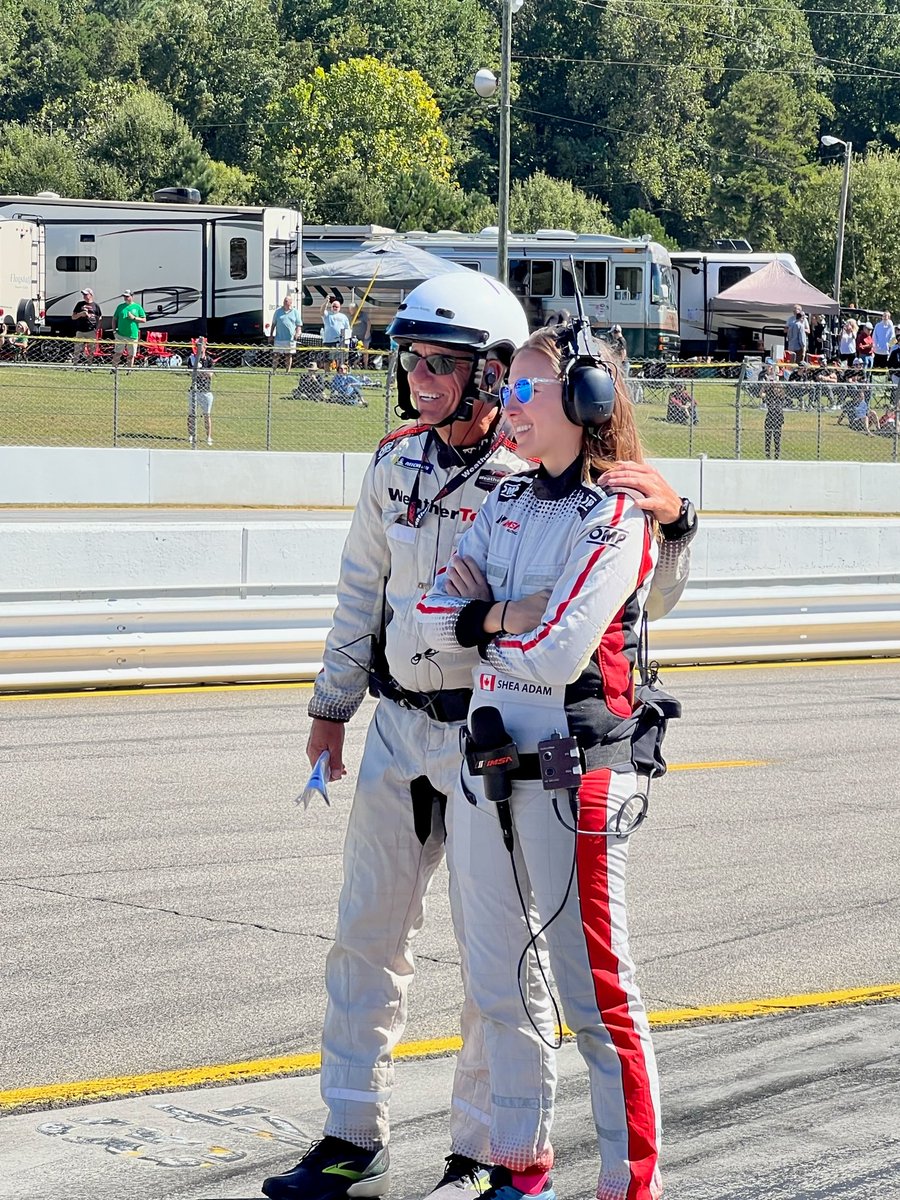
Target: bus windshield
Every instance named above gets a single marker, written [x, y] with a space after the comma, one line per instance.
[662, 285]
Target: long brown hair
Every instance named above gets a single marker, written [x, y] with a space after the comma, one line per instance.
[616, 441]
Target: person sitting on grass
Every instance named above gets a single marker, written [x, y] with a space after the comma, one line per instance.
[19, 341]
[346, 388]
[887, 425]
[681, 408]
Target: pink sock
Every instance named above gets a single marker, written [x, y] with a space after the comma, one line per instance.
[532, 1181]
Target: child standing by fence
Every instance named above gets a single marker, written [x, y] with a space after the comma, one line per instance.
[200, 390]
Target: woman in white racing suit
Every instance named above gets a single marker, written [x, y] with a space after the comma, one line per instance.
[550, 584]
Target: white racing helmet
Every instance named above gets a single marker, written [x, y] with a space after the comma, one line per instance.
[465, 310]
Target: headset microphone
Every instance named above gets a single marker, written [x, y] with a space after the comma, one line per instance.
[492, 754]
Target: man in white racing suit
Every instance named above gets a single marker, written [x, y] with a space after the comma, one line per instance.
[422, 490]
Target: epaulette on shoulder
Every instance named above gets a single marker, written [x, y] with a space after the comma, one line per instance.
[394, 436]
[624, 491]
[403, 431]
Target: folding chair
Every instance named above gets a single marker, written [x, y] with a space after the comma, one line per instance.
[155, 347]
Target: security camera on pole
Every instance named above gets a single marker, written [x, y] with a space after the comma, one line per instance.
[485, 84]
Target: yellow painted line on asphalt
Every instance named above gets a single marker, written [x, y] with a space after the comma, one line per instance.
[713, 766]
[118, 1087]
[779, 666]
[150, 690]
[179, 689]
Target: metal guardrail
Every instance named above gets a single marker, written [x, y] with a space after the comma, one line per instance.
[80, 643]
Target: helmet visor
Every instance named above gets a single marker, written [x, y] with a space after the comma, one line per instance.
[405, 329]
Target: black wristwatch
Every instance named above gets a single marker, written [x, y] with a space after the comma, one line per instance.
[685, 524]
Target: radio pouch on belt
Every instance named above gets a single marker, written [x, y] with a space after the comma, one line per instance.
[645, 729]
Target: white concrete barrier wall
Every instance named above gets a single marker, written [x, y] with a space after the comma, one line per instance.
[60, 475]
[112, 555]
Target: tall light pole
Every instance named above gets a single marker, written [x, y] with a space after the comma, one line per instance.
[485, 85]
[828, 140]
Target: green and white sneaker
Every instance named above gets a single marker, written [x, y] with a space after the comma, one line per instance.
[463, 1179]
[332, 1169]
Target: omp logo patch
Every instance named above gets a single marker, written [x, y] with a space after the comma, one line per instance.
[415, 464]
[487, 683]
[604, 536]
[513, 488]
[586, 502]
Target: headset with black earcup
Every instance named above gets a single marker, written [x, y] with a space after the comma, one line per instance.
[589, 384]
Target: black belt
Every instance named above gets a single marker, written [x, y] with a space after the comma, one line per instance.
[450, 705]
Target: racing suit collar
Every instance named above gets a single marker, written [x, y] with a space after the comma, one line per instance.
[555, 487]
[453, 456]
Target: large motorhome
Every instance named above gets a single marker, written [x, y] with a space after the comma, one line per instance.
[194, 268]
[702, 274]
[624, 281]
[21, 274]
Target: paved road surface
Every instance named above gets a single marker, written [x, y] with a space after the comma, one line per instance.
[168, 906]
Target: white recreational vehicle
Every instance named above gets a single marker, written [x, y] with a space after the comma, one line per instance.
[702, 274]
[194, 268]
[625, 281]
[21, 274]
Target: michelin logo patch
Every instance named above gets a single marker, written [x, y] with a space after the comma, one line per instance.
[415, 464]
[604, 536]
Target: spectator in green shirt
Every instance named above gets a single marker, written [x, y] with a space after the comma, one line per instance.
[127, 320]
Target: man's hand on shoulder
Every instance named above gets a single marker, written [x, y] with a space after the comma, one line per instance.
[658, 497]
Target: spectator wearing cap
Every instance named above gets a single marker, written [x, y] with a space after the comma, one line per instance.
[127, 321]
[882, 337]
[86, 319]
[864, 348]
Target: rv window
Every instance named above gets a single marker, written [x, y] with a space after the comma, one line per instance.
[728, 276]
[473, 266]
[75, 262]
[591, 278]
[282, 258]
[662, 285]
[238, 258]
[629, 283]
[541, 278]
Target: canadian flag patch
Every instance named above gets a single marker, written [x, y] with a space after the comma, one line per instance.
[488, 683]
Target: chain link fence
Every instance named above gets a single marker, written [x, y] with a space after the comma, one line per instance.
[726, 411]
[60, 393]
[54, 392]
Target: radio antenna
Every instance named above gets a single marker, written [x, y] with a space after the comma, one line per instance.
[581, 325]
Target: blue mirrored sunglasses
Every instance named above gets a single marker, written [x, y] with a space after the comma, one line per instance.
[522, 389]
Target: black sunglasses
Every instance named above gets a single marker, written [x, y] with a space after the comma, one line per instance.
[437, 364]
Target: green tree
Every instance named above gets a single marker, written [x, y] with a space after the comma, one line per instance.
[762, 141]
[32, 162]
[359, 114]
[133, 135]
[870, 275]
[638, 223]
[219, 64]
[541, 202]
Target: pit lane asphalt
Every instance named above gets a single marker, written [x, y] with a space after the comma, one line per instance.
[168, 906]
